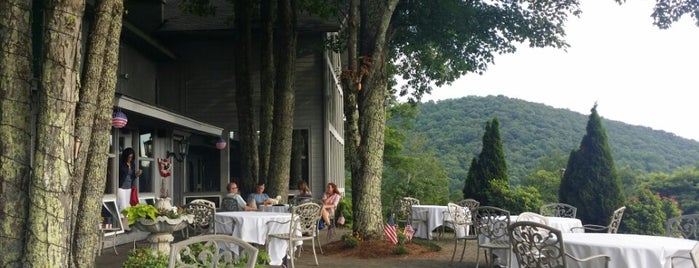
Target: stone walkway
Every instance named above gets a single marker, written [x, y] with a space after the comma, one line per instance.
[440, 259]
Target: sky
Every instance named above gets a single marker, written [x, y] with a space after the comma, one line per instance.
[636, 73]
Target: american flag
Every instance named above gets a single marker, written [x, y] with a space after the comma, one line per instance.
[390, 231]
[409, 232]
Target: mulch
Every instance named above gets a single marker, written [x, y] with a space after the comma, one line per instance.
[377, 249]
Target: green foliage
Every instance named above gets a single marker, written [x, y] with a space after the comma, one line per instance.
[682, 185]
[345, 207]
[644, 214]
[429, 244]
[400, 250]
[146, 258]
[516, 199]
[140, 211]
[490, 165]
[547, 183]
[350, 241]
[590, 182]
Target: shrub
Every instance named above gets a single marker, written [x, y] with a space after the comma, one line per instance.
[350, 241]
[400, 250]
[146, 258]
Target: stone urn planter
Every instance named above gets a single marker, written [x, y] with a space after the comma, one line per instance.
[162, 227]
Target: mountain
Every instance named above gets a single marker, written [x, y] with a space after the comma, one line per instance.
[533, 131]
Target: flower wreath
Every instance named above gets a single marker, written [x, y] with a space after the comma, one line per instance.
[165, 165]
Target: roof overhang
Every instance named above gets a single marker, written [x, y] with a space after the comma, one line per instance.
[137, 106]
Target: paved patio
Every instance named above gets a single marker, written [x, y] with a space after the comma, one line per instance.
[441, 259]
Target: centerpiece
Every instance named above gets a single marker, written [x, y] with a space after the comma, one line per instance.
[160, 220]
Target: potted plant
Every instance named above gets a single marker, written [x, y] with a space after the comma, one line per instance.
[160, 223]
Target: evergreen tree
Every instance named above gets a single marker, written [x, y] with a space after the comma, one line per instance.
[489, 165]
[590, 181]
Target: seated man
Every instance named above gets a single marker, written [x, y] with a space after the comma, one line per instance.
[259, 195]
[233, 201]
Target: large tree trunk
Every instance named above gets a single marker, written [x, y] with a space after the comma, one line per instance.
[92, 187]
[15, 127]
[368, 84]
[284, 100]
[267, 83]
[48, 241]
[244, 96]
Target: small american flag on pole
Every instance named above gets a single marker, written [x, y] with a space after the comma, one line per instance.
[390, 231]
[409, 232]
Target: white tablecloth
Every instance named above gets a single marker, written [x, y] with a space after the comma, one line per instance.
[279, 209]
[628, 250]
[435, 218]
[251, 226]
[560, 223]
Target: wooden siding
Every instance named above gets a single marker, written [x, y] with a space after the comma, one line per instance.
[136, 75]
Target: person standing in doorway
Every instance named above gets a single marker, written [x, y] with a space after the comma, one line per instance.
[127, 176]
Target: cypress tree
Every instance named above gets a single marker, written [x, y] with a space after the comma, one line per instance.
[590, 181]
[489, 165]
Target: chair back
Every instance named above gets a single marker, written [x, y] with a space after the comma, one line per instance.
[212, 251]
[298, 200]
[469, 203]
[304, 218]
[534, 217]
[558, 210]
[685, 226]
[536, 245]
[695, 255]
[230, 204]
[204, 215]
[460, 218]
[491, 222]
[616, 220]
[402, 208]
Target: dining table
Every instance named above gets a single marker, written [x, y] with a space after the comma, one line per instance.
[252, 227]
[629, 250]
[281, 208]
[426, 218]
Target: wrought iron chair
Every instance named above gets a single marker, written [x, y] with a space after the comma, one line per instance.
[204, 212]
[461, 221]
[534, 217]
[230, 204]
[491, 229]
[693, 256]
[611, 228]
[212, 251]
[558, 210]
[685, 226]
[302, 226]
[468, 203]
[538, 245]
[402, 209]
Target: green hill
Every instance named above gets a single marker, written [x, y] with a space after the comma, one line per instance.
[532, 131]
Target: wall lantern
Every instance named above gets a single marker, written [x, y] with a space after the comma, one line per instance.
[119, 119]
[221, 144]
[148, 147]
[181, 152]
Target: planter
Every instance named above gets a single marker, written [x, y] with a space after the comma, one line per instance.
[161, 230]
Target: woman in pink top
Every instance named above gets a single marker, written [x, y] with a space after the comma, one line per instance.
[330, 199]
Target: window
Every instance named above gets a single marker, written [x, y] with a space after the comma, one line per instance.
[146, 162]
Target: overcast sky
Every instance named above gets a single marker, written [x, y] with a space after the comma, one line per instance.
[637, 73]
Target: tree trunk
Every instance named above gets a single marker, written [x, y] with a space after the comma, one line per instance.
[284, 100]
[267, 83]
[15, 127]
[244, 96]
[368, 83]
[85, 236]
[48, 238]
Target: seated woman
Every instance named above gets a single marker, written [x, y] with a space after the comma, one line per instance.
[331, 198]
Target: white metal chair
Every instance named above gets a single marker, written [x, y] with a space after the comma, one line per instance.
[611, 228]
[491, 229]
[558, 210]
[461, 221]
[685, 226]
[204, 212]
[693, 256]
[468, 203]
[212, 251]
[537, 245]
[302, 226]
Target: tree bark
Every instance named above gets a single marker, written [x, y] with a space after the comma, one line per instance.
[48, 240]
[244, 96]
[15, 127]
[90, 204]
[284, 100]
[267, 83]
[369, 84]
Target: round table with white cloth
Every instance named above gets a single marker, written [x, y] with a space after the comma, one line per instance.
[274, 208]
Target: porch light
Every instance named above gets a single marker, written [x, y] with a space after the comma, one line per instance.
[119, 119]
[221, 144]
[148, 146]
[182, 151]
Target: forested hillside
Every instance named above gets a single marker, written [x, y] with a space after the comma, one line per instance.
[533, 131]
